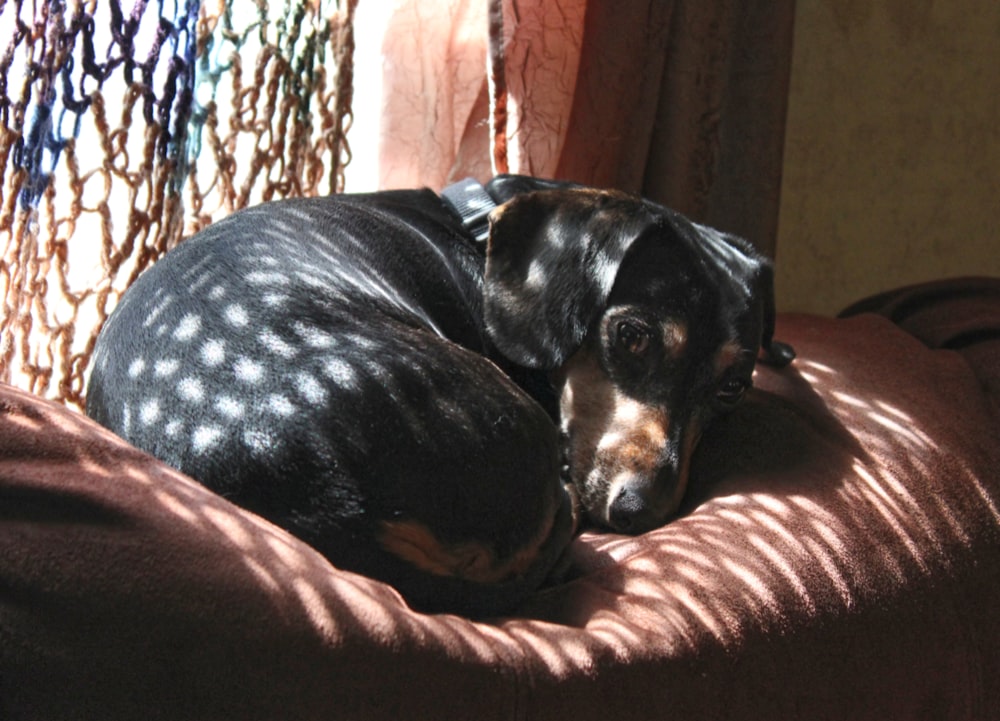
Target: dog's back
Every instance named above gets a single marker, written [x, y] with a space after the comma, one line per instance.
[320, 362]
[361, 371]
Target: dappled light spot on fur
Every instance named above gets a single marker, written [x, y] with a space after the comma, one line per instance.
[136, 367]
[267, 278]
[213, 352]
[280, 405]
[149, 412]
[205, 437]
[274, 299]
[274, 343]
[164, 302]
[248, 370]
[188, 327]
[259, 441]
[166, 367]
[229, 407]
[237, 315]
[310, 388]
[314, 336]
[191, 389]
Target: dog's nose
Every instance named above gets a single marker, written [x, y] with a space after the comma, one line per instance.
[630, 512]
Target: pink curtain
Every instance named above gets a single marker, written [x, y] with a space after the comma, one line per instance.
[683, 101]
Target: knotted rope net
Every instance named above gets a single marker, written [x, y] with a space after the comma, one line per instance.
[126, 126]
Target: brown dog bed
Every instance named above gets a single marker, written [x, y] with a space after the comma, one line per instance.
[838, 558]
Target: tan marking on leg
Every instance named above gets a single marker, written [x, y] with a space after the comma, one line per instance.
[474, 561]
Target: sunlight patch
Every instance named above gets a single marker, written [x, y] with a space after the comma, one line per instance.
[237, 315]
[270, 340]
[248, 371]
[267, 277]
[188, 327]
[213, 352]
[820, 367]
[205, 437]
[311, 389]
[314, 337]
[229, 407]
[149, 412]
[191, 389]
[340, 372]
[274, 300]
[850, 400]
[280, 405]
[258, 440]
[166, 367]
[136, 368]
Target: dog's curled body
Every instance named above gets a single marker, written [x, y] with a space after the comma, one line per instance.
[346, 366]
[313, 361]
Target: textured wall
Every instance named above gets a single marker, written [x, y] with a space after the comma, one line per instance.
[892, 155]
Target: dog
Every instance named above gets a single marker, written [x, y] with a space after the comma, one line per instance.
[427, 408]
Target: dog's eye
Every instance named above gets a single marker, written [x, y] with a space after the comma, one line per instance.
[732, 391]
[632, 337]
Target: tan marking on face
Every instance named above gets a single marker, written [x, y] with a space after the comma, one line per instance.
[727, 355]
[609, 432]
[586, 404]
[613, 437]
[416, 544]
[496, 213]
[691, 439]
[675, 337]
[635, 437]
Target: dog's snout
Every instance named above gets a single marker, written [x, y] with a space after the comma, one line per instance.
[624, 508]
[631, 512]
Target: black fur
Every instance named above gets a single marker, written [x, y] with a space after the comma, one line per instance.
[339, 364]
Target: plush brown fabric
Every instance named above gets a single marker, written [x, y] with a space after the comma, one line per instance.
[958, 314]
[839, 558]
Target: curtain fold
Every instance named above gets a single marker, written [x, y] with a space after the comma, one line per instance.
[683, 101]
[717, 150]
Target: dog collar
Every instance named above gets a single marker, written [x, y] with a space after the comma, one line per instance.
[469, 200]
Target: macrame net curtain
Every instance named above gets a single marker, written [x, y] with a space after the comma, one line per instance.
[128, 125]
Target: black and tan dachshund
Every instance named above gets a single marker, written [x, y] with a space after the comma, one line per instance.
[422, 407]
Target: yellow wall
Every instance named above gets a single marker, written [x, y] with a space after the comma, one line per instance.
[892, 154]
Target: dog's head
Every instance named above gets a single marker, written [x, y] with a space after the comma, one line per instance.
[650, 325]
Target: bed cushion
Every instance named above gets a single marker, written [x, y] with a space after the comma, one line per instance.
[838, 557]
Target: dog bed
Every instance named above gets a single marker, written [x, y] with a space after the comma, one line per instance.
[838, 557]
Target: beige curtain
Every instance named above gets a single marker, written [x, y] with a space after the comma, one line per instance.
[681, 101]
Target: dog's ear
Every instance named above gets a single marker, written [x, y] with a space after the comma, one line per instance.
[551, 262]
[759, 272]
[741, 259]
[776, 353]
